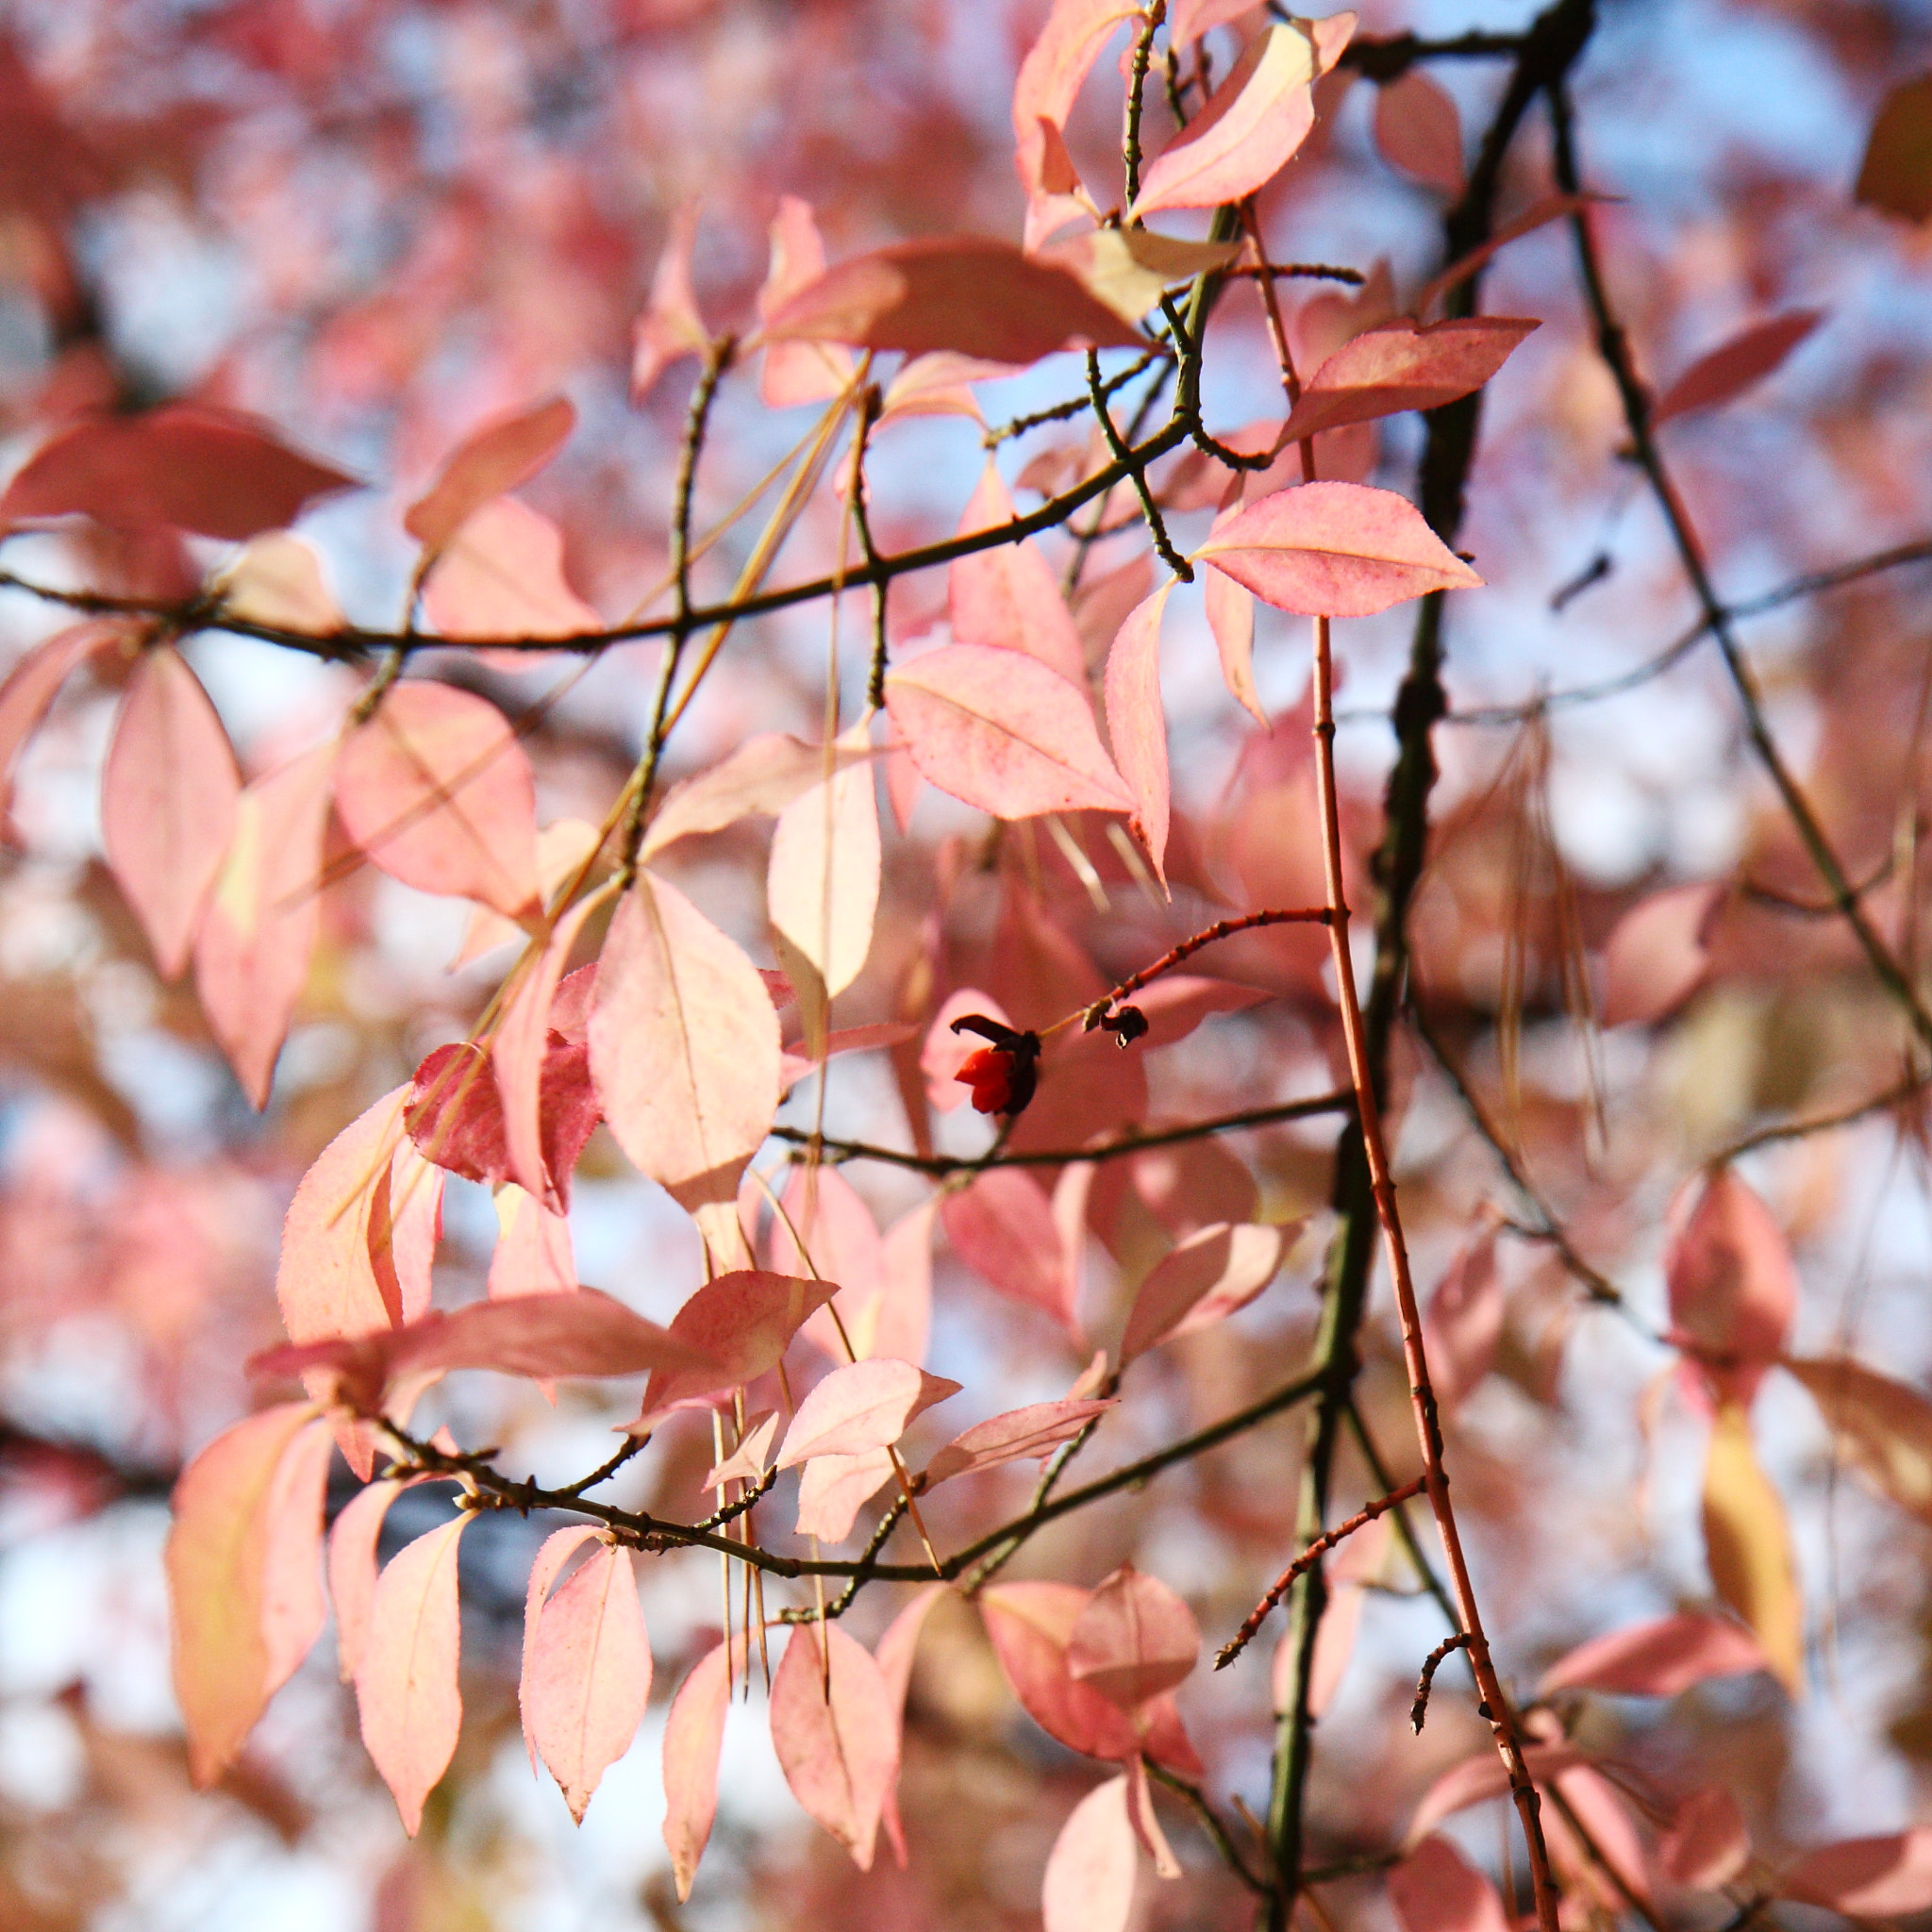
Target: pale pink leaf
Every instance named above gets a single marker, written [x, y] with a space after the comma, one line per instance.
[670, 327]
[532, 1252]
[500, 574]
[749, 1462]
[862, 1406]
[1147, 1822]
[1137, 724]
[823, 880]
[587, 1674]
[835, 1727]
[436, 788]
[565, 848]
[797, 372]
[1187, 20]
[842, 1242]
[741, 1322]
[1334, 549]
[34, 682]
[1884, 1429]
[1733, 1287]
[407, 1683]
[496, 456]
[1334, 1646]
[1419, 130]
[293, 1608]
[1705, 1845]
[216, 1561]
[1009, 595]
[1002, 1227]
[684, 1050]
[1463, 1323]
[1437, 1890]
[1602, 1811]
[693, 1737]
[1402, 365]
[168, 802]
[257, 932]
[1129, 268]
[1747, 1542]
[1889, 1877]
[1231, 619]
[938, 384]
[1658, 1659]
[1090, 1872]
[195, 468]
[405, 1225]
[945, 1052]
[556, 1550]
[900, 1321]
[969, 293]
[763, 775]
[834, 1489]
[1135, 1639]
[795, 1063]
[1193, 1184]
[1034, 1431]
[1658, 954]
[277, 581]
[1050, 75]
[1734, 366]
[1003, 732]
[1210, 1275]
[894, 1654]
[352, 1541]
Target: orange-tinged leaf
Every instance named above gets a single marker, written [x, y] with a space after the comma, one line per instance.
[1733, 1288]
[1896, 174]
[253, 946]
[500, 574]
[437, 790]
[836, 1731]
[1707, 1845]
[1884, 1429]
[352, 1543]
[1727, 371]
[1090, 1872]
[406, 1686]
[1137, 725]
[1003, 732]
[168, 802]
[1463, 1323]
[1009, 595]
[293, 1608]
[496, 456]
[1216, 1271]
[693, 1736]
[684, 1050]
[1657, 1659]
[1749, 1545]
[670, 327]
[1335, 550]
[1656, 956]
[969, 294]
[197, 468]
[1135, 1639]
[587, 1670]
[1002, 1227]
[864, 1406]
[1889, 1877]
[217, 1562]
[1034, 1431]
[1404, 365]
[1419, 130]
[742, 1323]
[797, 372]
[1437, 1890]
[823, 880]
[1128, 269]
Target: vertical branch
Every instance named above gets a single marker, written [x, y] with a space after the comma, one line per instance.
[1137, 88]
[869, 404]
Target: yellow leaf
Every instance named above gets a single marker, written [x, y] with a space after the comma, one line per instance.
[1750, 1546]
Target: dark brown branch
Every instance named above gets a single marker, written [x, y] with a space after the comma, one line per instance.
[1908, 1089]
[1418, 1710]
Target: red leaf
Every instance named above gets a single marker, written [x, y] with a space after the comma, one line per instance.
[1707, 1845]
[36, 679]
[1036, 1430]
[693, 1736]
[670, 327]
[1883, 1429]
[407, 1685]
[1419, 130]
[1402, 365]
[1000, 730]
[587, 1669]
[895, 1652]
[1656, 956]
[500, 574]
[257, 935]
[242, 1496]
[1463, 1323]
[1657, 1659]
[1002, 1227]
[1887, 1877]
[1204, 1280]
[964, 292]
[1134, 1639]
[836, 1731]
[1734, 366]
[1334, 549]
[797, 372]
[1090, 1871]
[437, 790]
[861, 1407]
[822, 881]
[496, 456]
[684, 1050]
[197, 468]
[742, 1321]
[168, 802]
[1010, 595]
[1437, 1890]
[1732, 1286]
[352, 1567]
[1137, 724]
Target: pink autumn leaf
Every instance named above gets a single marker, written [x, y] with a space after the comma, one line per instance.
[670, 327]
[797, 372]
[1707, 1845]
[566, 852]
[195, 468]
[749, 1462]
[1658, 954]
[168, 802]
[1187, 20]
[352, 1541]
[277, 581]
[500, 574]
[824, 1211]
[406, 1686]
[436, 788]
[834, 1489]
[1050, 76]
[795, 1063]
[257, 932]
[1419, 130]
[1147, 1822]
[218, 1583]
[1009, 595]
[1334, 549]
[586, 1671]
[1191, 1185]
[556, 1550]
[1404, 365]
[1733, 1288]
[741, 1322]
[835, 1729]
[1206, 1279]
[1231, 619]
[693, 1737]
[1463, 1323]
[823, 880]
[1177, 1003]
[1887, 1877]
[1034, 1431]
[1603, 1812]
[1003, 732]
[900, 1321]
[1090, 1871]
[532, 1252]
[938, 384]
[1726, 372]
[969, 294]
[1135, 1639]
[495, 457]
[862, 1406]
[893, 1654]
[763, 775]
[1002, 1227]
[36, 679]
[1482, 1776]
[1658, 1660]
[1437, 1890]
[684, 1051]
[1137, 724]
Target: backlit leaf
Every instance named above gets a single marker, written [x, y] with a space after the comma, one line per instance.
[496, 456]
[1402, 365]
[861, 1407]
[1231, 618]
[1707, 1845]
[533, 1252]
[1034, 1431]
[1463, 1323]
[823, 880]
[1009, 595]
[1733, 1289]
[352, 1569]
[34, 682]
[1437, 1890]
[1658, 956]
[1889, 1877]
[797, 372]
[1002, 1227]
[1204, 1280]
[1658, 1659]
[1135, 1639]
[277, 580]
[893, 1654]
[764, 774]
[670, 327]
[1050, 75]
[1749, 1546]
[1727, 371]
[1884, 1429]
[500, 574]
[693, 1737]
[1419, 130]
[1137, 724]
[835, 1729]
[1090, 1871]
[834, 1489]
[742, 1323]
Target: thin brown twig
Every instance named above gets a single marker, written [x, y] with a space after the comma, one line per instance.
[1418, 1710]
